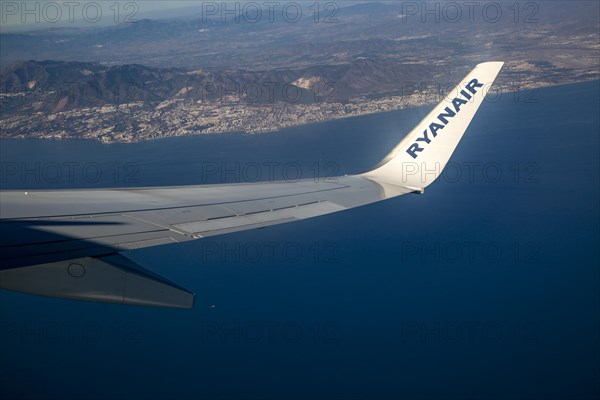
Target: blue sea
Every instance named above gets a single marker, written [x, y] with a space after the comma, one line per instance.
[485, 287]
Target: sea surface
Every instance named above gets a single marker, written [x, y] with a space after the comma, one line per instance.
[485, 287]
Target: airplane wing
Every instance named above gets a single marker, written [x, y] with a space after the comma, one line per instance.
[70, 243]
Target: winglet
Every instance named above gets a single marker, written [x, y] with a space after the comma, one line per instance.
[420, 157]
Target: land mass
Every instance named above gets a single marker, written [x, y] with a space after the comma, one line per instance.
[183, 77]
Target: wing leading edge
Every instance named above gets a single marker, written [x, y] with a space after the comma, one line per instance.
[68, 243]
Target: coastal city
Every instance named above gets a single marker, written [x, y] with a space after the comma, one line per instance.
[134, 122]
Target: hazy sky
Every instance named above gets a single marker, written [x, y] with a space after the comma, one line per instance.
[27, 15]
[30, 15]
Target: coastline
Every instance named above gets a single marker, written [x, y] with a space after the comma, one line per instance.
[287, 116]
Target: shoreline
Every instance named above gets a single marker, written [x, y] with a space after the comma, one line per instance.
[402, 103]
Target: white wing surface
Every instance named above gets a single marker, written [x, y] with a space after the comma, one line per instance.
[69, 243]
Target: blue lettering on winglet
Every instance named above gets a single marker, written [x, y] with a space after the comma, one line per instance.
[443, 119]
